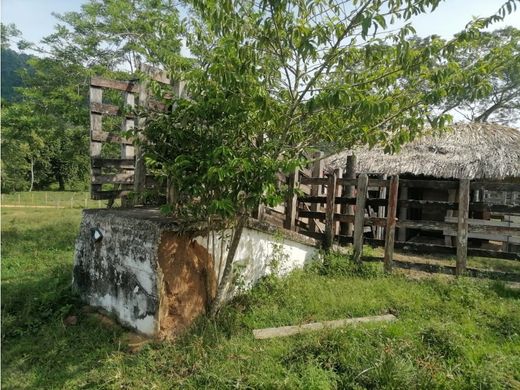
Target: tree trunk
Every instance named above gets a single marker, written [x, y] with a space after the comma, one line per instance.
[32, 175]
[227, 275]
[61, 182]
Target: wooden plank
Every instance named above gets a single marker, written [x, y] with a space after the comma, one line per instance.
[330, 225]
[462, 227]
[108, 109]
[390, 223]
[491, 227]
[359, 217]
[342, 200]
[434, 184]
[349, 192]
[103, 136]
[425, 225]
[428, 203]
[140, 167]
[372, 182]
[381, 210]
[291, 201]
[125, 86]
[120, 178]
[98, 162]
[284, 331]
[313, 180]
[403, 213]
[317, 171]
[96, 123]
[496, 186]
[496, 208]
[128, 151]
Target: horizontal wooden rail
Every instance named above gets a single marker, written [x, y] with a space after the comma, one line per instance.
[125, 86]
[120, 178]
[495, 186]
[103, 136]
[428, 203]
[342, 200]
[109, 109]
[127, 163]
[433, 184]
[497, 208]
[313, 180]
[427, 225]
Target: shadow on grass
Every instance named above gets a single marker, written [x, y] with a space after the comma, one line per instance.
[38, 350]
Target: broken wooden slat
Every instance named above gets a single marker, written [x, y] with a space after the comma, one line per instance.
[284, 331]
[125, 86]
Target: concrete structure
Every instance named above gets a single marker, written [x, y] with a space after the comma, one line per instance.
[156, 275]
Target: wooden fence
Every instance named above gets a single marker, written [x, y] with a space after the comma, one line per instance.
[117, 171]
[346, 210]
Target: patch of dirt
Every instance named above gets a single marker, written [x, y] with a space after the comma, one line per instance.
[187, 283]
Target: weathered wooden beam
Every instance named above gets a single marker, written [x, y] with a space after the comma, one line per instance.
[128, 151]
[108, 109]
[140, 167]
[284, 331]
[103, 136]
[462, 227]
[428, 203]
[120, 178]
[96, 123]
[390, 223]
[98, 162]
[330, 225]
[317, 171]
[343, 201]
[291, 201]
[125, 86]
[425, 225]
[360, 217]
[434, 184]
[314, 180]
[496, 208]
[495, 186]
[349, 192]
[403, 213]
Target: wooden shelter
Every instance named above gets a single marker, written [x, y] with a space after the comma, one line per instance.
[481, 152]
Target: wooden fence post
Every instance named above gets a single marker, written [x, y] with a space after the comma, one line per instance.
[359, 218]
[127, 151]
[349, 191]
[330, 225]
[96, 96]
[462, 227]
[140, 168]
[381, 210]
[291, 202]
[317, 171]
[390, 223]
[403, 213]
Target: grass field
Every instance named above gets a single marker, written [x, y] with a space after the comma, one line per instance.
[449, 334]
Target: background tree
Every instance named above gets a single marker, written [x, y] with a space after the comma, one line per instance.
[499, 99]
[274, 80]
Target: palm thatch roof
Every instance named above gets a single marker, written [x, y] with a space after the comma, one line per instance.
[467, 150]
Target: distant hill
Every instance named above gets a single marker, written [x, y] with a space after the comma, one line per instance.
[12, 63]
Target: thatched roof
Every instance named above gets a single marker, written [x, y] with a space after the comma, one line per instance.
[468, 150]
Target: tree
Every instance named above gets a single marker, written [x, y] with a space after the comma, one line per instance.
[117, 33]
[499, 99]
[274, 80]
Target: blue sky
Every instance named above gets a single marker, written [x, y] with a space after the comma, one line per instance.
[34, 19]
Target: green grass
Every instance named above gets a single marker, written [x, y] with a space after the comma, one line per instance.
[450, 333]
[53, 199]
